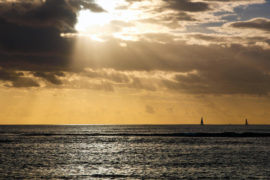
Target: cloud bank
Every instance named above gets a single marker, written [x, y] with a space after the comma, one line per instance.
[40, 47]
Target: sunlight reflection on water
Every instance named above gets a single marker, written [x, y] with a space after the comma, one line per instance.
[131, 157]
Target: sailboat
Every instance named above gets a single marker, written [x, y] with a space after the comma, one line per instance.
[246, 122]
[202, 121]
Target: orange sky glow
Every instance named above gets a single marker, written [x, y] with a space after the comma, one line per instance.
[134, 62]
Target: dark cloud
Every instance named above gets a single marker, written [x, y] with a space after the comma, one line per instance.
[256, 23]
[51, 77]
[229, 69]
[24, 82]
[182, 16]
[239, 80]
[207, 37]
[140, 83]
[30, 40]
[173, 21]
[267, 41]
[61, 14]
[7, 75]
[120, 79]
[234, 70]
[187, 5]
[83, 4]
[183, 5]
[16, 79]
[30, 33]
[172, 56]
[224, 0]
[112, 76]
[262, 40]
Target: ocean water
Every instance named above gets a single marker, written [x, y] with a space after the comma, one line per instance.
[135, 152]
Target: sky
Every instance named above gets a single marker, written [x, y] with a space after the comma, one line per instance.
[134, 61]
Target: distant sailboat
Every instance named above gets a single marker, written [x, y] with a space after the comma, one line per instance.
[246, 122]
[202, 121]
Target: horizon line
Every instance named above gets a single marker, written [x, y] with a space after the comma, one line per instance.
[128, 124]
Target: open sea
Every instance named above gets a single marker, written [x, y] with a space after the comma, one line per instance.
[135, 152]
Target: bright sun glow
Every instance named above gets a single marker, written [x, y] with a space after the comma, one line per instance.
[118, 21]
[109, 5]
[88, 20]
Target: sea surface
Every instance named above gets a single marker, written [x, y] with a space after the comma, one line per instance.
[135, 152]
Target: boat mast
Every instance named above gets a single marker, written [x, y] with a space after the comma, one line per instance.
[202, 121]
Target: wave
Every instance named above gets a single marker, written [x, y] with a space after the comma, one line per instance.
[199, 134]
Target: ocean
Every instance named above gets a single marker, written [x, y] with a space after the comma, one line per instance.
[135, 152]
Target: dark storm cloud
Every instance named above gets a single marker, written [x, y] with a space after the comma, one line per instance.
[32, 48]
[111, 76]
[86, 4]
[236, 80]
[171, 21]
[221, 39]
[30, 39]
[16, 79]
[228, 1]
[184, 16]
[224, 0]
[24, 82]
[120, 79]
[60, 14]
[8, 75]
[30, 33]
[52, 77]
[175, 56]
[183, 5]
[256, 23]
[231, 69]
[187, 5]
